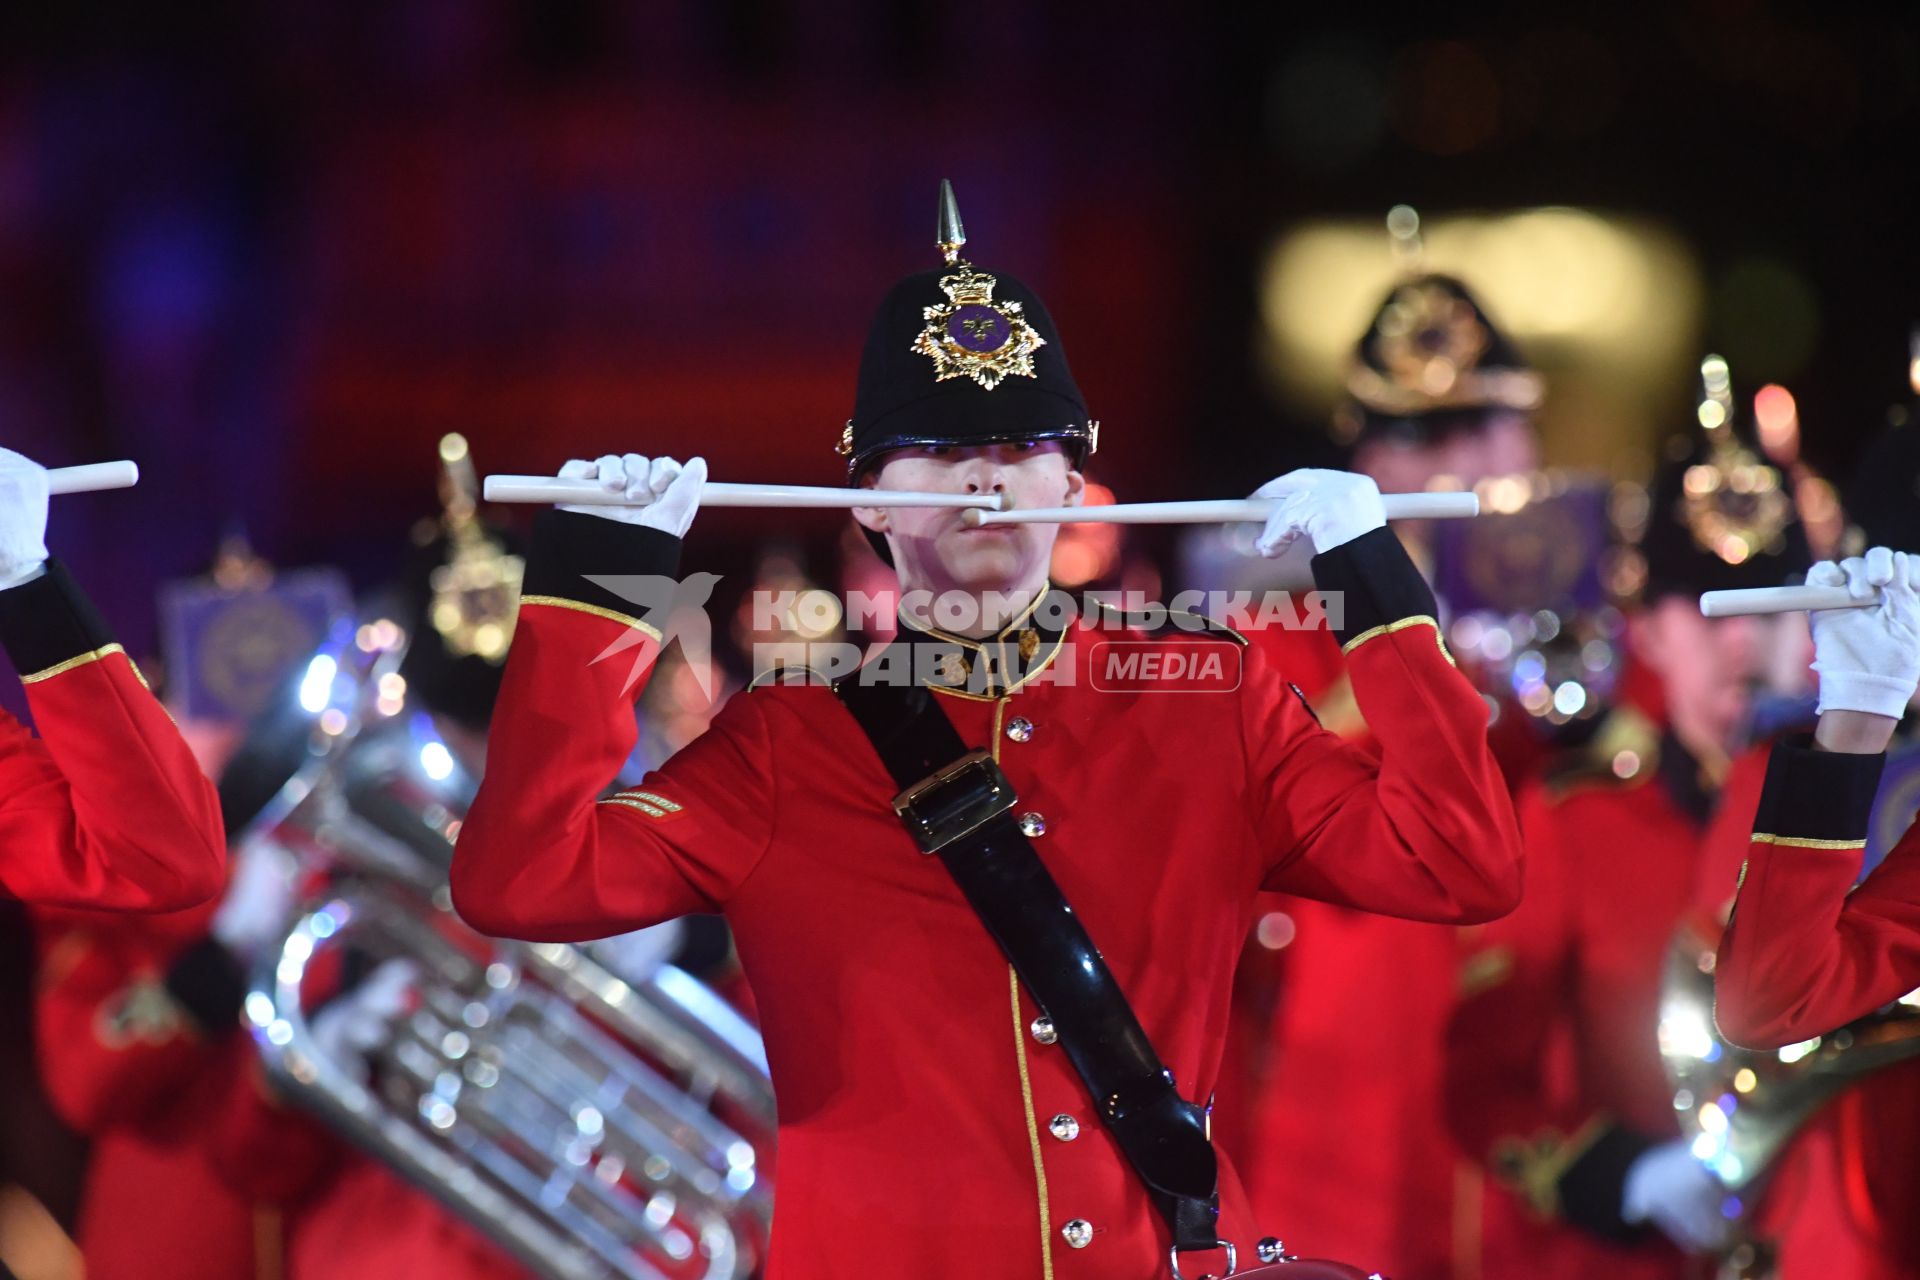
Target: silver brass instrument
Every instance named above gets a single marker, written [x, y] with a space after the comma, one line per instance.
[593, 1123]
[1740, 1107]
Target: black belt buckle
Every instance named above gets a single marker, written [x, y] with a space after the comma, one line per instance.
[955, 801]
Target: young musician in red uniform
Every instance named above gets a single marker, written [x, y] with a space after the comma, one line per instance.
[933, 1114]
[1554, 1075]
[106, 808]
[1808, 953]
[1840, 1202]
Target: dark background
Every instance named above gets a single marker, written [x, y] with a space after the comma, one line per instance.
[273, 252]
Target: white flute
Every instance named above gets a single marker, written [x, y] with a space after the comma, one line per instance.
[1750, 600]
[93, 476]
[1399, 506]
[589, 493]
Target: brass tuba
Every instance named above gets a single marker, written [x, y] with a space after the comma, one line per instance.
[593, 1117]
[1742, 1107]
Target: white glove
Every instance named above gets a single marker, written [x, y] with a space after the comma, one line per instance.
[259, 898]
[357, 1022]
[1668, 1186]
[1869, 659]
[1330, 507]
[671, 491]
[23, 519]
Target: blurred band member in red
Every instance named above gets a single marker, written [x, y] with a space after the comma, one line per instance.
[1810, 952]
[1554, 1076]
[199, 1172]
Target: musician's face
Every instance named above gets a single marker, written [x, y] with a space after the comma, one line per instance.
[1708, 668]
[933, 549]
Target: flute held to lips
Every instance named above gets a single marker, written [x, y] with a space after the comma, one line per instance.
[712, 494]
[1399, 506]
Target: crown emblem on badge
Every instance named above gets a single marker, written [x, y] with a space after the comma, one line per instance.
[970, 335]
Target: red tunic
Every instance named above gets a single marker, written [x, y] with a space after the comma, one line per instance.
[128, 1064]
[924, 1122]
[106, 808]
[1554, 1076]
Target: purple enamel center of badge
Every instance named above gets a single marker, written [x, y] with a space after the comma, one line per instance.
[978, 328]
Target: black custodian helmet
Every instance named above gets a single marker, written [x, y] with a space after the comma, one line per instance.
[1432, 363]
[962, 357]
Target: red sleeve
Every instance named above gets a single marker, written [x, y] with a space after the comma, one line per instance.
[1805, 952]
[540, 856]
[1418, 824]
[107, 809]
[1511, 1100]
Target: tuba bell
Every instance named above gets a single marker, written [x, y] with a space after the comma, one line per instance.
[1742, 1107]
[594, 1113]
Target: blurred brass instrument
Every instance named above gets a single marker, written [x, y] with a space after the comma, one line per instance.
[1740, 1107]
[594, 1117]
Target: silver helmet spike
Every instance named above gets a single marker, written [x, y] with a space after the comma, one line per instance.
[951, 234]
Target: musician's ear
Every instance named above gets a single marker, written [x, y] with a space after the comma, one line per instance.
[873, 518]
[1076, 489]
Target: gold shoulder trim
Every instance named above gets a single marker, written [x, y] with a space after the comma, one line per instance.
[1802, 842]
[78, 660]
[561, 602]
[1214, 627]
[1387, 629]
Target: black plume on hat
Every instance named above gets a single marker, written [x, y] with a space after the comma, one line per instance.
[963, 357]
[1883, 501]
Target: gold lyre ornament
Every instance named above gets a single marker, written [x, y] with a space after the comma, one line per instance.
[1734, 503]
[476, 593]
[972, 336]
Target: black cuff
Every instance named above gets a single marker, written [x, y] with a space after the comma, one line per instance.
[48, 620]
[1817, 795]
[206, 981]
[1377, 583]
[568, 545]
[1592, 1187]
